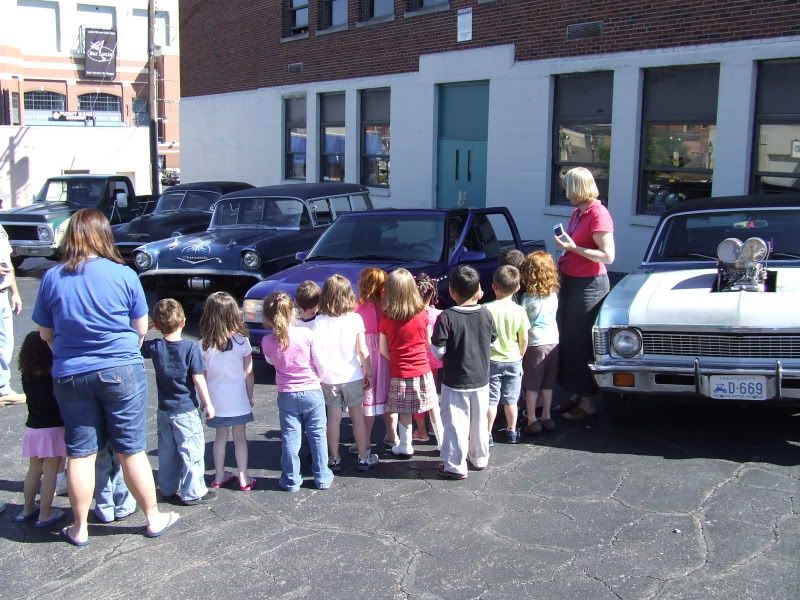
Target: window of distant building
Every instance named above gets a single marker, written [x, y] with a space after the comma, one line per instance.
[39, 106]
[332, 131]
[296, 17]
[375, 137]
[15, 120]
[678, 135]
[421, 4]
[295, 138]
[373, 9]
[582, 129]
[332, 13]
[105, 108]
[141, 116]
[776, 157]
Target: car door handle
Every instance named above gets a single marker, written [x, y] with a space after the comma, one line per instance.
[469, 165]
[457, 161]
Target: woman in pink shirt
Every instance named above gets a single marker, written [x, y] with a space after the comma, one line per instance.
[301, 405]
[588, 246]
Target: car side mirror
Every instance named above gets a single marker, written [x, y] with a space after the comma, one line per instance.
[121, 198]
[469, 256]
[301, 256]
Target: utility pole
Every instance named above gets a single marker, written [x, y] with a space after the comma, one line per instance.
[152, 83]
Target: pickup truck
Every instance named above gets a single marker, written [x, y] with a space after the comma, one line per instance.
[37, 229]
[421, 240]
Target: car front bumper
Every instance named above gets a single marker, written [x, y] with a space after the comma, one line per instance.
[30, 249]
[693, 376]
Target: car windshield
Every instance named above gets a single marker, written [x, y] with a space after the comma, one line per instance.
[78, 192]
[280, 213]
[383, 236]
[695, 236]
[186, 200]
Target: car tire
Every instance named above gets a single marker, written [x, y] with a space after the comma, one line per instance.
[620, 406]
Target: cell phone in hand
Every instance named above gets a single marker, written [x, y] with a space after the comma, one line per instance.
[558, 230]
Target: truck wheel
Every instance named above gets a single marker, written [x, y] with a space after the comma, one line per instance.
[620, 406]
[17, 261]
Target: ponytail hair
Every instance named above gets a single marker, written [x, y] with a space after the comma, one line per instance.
[279, 315]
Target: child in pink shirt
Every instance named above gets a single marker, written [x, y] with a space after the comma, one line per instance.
[301, 405]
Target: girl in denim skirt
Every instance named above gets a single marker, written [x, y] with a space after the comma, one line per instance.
[301, 405]
[404, 342]
[229, 371]
[43, 440]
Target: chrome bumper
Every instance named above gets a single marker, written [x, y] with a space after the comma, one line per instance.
[649, 378]
[34, 248]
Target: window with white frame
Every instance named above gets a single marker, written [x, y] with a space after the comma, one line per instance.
[295, 138]
[678, 135]
[776, 156]
[375, 137]
[373, 9]
[38, 26]
[331, 125]
[421, 4]
[295, 17]
[105, 108]
[582, 129]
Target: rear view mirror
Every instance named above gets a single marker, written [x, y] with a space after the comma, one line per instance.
[121, 198]
[301, 256]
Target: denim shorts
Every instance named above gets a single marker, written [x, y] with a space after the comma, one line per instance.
[107, 405]
[505, 382]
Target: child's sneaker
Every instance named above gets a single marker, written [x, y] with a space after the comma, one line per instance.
[533, 428]
[512, 436]
[335, 464]
[549, 425]
[364, 464]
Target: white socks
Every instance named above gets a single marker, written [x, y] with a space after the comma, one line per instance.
[404, 444]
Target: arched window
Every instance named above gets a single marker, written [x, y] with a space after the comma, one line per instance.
[98, 103]
[46, 101]
[40, 106]
[105, 108]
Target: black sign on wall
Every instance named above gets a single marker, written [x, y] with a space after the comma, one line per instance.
[100, 53]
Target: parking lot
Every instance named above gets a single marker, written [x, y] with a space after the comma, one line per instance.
[678, 501]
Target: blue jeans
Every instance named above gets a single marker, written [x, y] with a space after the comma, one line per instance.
[111, 496]
[298, 411]
[181, 455]
[107, 405]
[6, 343]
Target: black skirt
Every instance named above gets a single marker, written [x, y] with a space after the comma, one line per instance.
[578, 304]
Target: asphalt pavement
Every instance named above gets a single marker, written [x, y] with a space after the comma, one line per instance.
[679, 501]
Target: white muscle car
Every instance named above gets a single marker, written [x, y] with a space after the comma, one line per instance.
[713, 310]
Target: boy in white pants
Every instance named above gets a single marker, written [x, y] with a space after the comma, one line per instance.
[462, 339]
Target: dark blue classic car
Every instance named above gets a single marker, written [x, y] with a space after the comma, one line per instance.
[253, 234]
[180, 210]
[421, 240]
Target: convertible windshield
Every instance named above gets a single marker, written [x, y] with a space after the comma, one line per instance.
[694, 237]
[186, 200]
[78, 192]
[383, 237]
[282, 213]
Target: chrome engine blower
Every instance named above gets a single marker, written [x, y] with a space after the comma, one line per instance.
[741, 266]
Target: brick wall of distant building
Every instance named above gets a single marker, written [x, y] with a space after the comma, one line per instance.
[235, 45]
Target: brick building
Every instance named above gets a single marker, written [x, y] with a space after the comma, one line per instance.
[487, 102]
[64, 115]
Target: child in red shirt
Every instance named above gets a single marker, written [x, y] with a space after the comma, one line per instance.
[404, 342]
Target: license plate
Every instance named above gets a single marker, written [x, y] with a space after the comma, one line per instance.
[738, 387]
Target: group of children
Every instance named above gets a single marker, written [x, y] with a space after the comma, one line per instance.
[383, 353]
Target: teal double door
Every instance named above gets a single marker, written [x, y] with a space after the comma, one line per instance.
[461, 151]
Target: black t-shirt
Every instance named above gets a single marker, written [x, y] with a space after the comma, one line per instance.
[467, 334]
[42, 406]
[174, 364]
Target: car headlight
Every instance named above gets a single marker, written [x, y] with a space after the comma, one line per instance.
[44, 233]
[250, 259]
[143, 261]
[251, 310]
[626, 343]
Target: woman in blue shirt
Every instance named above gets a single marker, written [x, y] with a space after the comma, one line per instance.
[92, 312]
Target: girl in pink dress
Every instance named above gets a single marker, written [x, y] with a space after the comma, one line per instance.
[370, 292]
[427, 290]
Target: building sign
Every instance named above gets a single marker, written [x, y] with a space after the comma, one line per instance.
[464, 25]
[100, 53]
[80, 116]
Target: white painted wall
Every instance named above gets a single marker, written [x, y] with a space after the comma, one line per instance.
[240, 136]
[29, 155]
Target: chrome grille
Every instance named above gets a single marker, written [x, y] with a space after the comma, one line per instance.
[600, 340]
[21, 232]
[723, 345]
